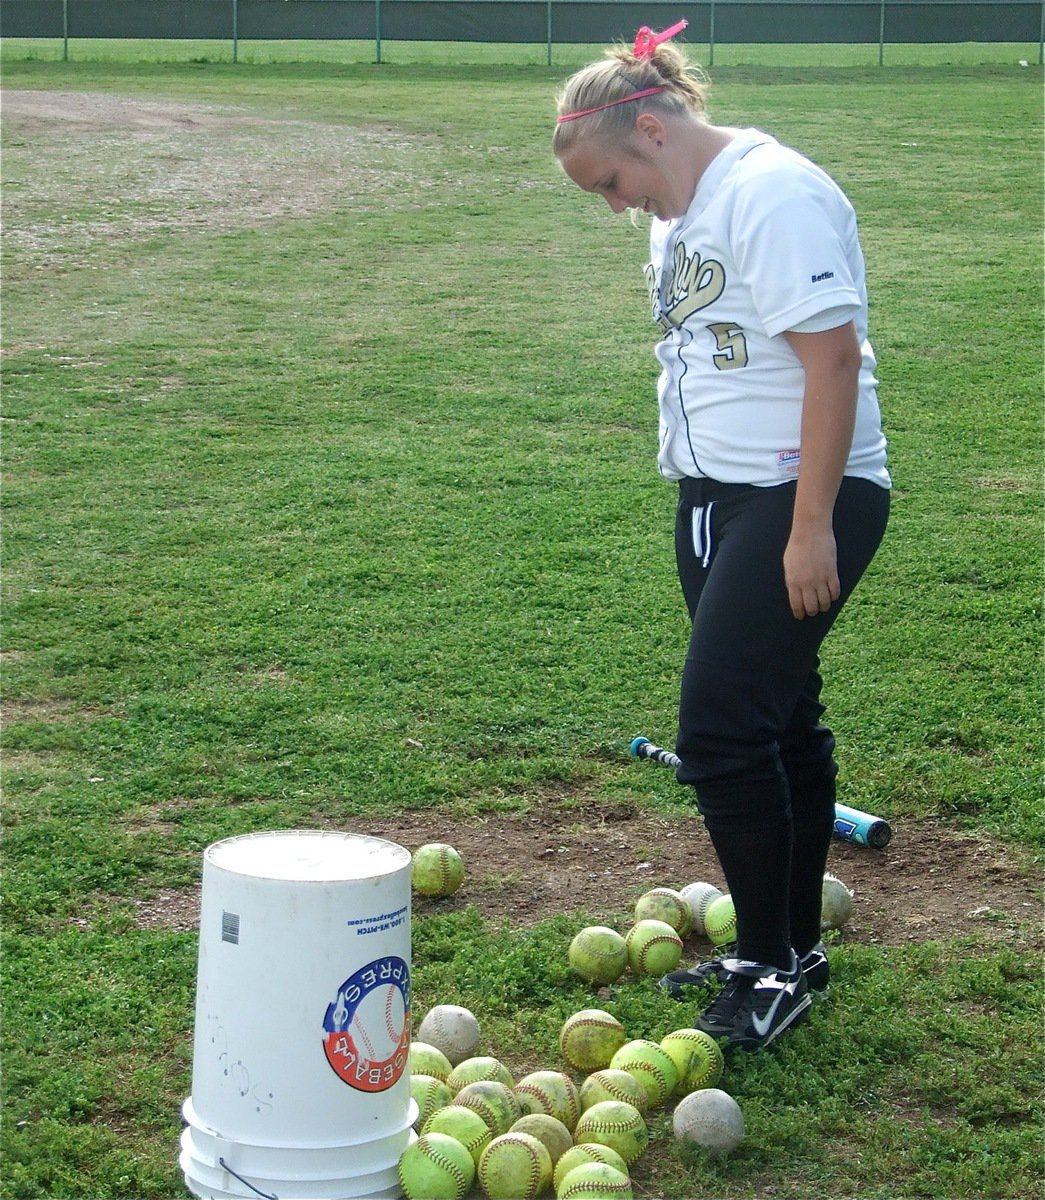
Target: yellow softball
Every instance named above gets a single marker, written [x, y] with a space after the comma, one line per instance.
[515, 1166]
[590, 1038]
[616, 1124]
[667, 905]
[437, 870]
[697, 1057]
[650, 1065]
[653, 947]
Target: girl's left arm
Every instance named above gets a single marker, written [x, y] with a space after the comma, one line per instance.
[831, 361]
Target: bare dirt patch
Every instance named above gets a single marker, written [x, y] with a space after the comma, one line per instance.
[929, 883]
[47, 711]
[84, 172]
[38, 110]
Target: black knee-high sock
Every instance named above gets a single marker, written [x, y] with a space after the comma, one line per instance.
[756, 861]
[814, 820]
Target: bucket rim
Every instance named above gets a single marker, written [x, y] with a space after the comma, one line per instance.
[192, 1118]
[228, 855]
[301, 1175]
[356, 1187]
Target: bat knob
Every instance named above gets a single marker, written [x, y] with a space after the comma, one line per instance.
[637, 744]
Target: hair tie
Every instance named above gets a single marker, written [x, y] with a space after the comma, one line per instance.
[587, 112]
[646, 41]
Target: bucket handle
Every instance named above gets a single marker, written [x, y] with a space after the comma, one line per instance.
[246, 1182]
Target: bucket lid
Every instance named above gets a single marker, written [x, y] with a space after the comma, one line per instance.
[308, 856]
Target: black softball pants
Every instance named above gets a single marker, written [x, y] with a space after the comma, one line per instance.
[751, 739]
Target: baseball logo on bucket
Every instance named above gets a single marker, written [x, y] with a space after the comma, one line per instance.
[367, 1028]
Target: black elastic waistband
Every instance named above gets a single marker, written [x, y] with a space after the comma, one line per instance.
[709, 491]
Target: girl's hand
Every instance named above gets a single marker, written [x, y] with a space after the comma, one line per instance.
[831, 361]
[811, 572]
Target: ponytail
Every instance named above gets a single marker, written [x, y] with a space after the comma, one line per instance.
[603, 100]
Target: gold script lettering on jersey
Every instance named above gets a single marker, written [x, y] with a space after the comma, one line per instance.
[694, 283]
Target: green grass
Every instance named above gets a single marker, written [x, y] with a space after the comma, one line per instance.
[248, 52]
[333, 434]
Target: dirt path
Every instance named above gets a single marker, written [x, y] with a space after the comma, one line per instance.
[929, 883]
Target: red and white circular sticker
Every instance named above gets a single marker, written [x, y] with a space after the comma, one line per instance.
[367, 1028]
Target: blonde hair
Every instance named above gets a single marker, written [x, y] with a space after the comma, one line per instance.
[616, 77]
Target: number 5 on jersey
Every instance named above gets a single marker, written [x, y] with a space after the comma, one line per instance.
[732, 346]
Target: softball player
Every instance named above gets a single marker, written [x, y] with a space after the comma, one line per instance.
[769, 424]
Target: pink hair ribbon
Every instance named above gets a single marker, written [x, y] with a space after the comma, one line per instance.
[646, 41]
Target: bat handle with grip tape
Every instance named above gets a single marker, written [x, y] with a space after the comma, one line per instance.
[851, 824]
[642, 747]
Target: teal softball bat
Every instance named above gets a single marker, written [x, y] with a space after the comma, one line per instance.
[851, 824]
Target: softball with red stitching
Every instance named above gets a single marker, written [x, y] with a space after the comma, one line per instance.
[437, 870]
[515, 1166]
[481, 1067]
[465, 1125]
[586, 1153]
[651, 1065]
[720, 921]
[667, 905]
[436, 1167]
[598, 954]
[653, 947]
[611, 1083]
[616, 1124]
[551, 1092]
[590, 1038]
[697, 1058]
[596, 1181]
[429, 1060]
[495, 1102]
[430, 1095]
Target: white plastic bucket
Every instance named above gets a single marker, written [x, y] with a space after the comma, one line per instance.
[234, 1172]
[300, 1074]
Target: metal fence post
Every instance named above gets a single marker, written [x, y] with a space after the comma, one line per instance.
[65, 30]
[550, 31]
[881, 34]
[377, 29]
[711, 34]
[235, 31]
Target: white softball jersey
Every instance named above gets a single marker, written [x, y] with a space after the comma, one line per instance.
[768, 244]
